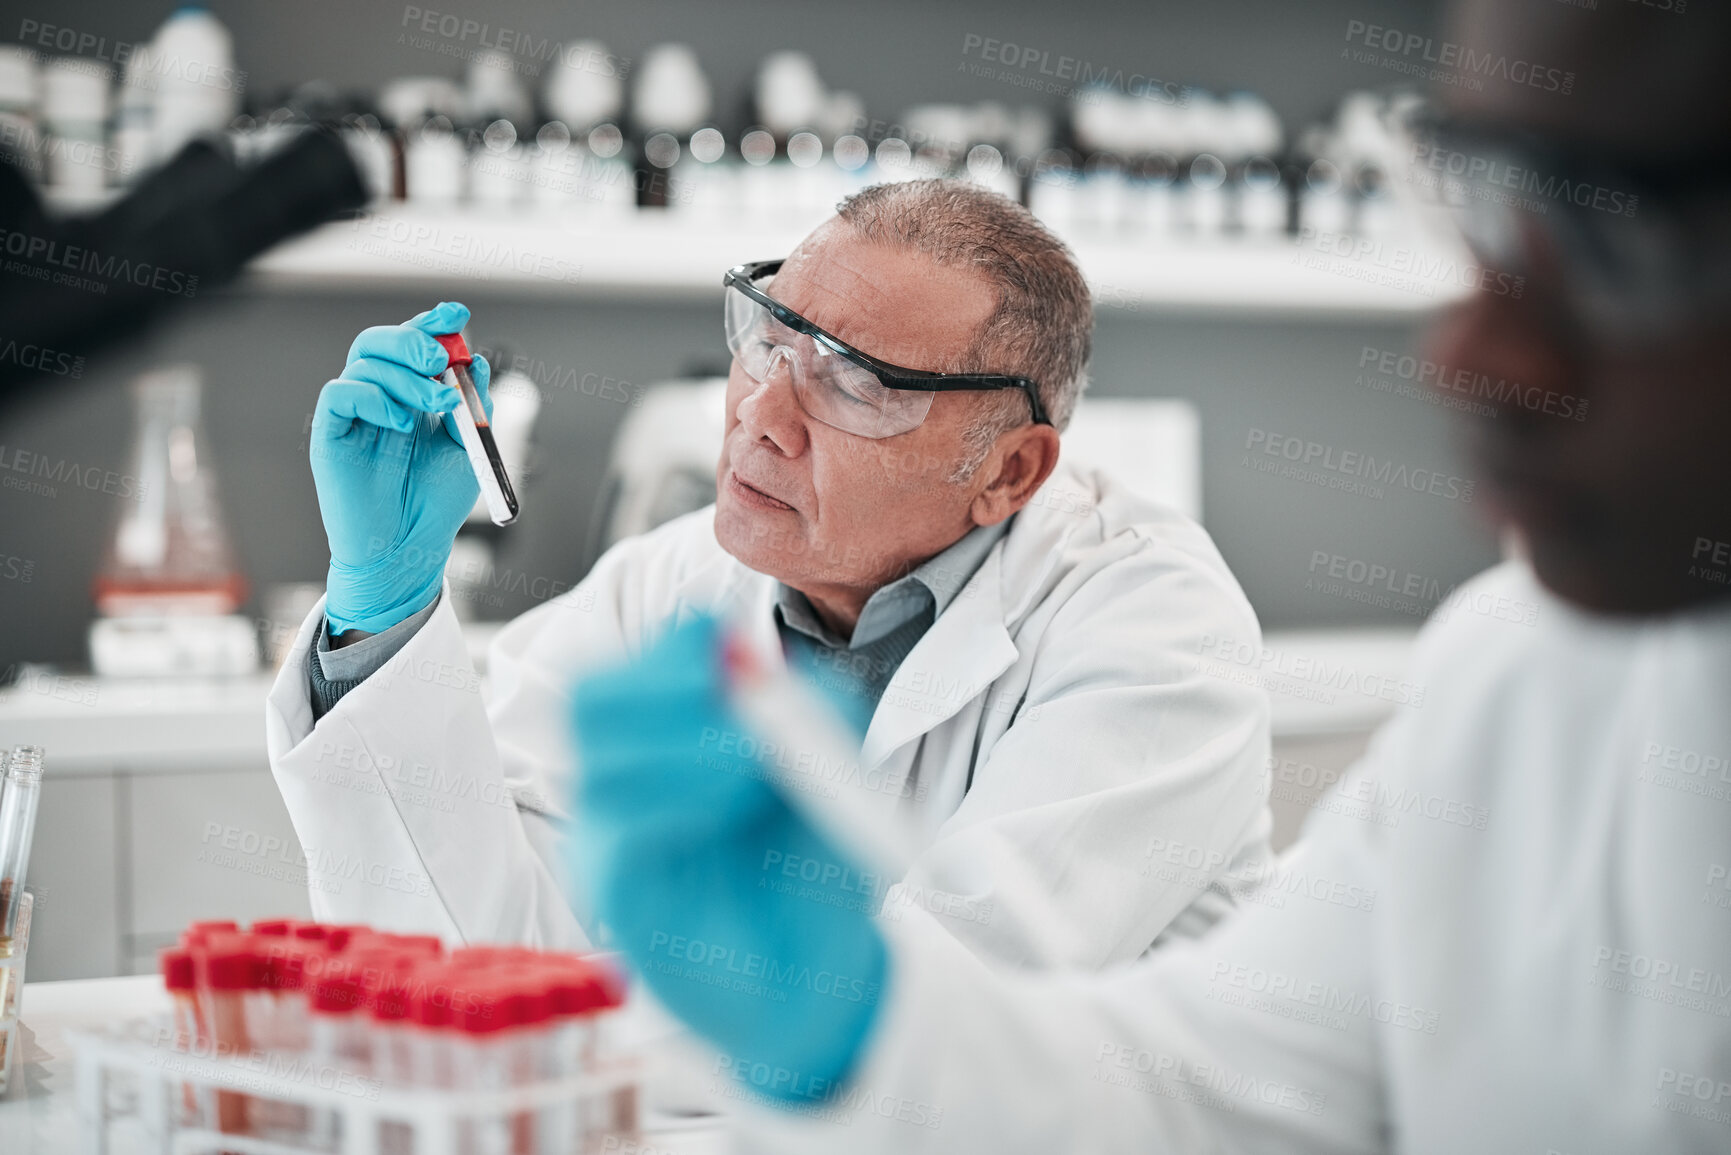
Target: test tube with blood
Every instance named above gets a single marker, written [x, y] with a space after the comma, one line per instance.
[478, 442]
[226, 968]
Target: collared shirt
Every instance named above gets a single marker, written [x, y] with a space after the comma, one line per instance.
[856, 671]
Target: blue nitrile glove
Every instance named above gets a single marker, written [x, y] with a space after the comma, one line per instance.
[393, 481]
[744, 919]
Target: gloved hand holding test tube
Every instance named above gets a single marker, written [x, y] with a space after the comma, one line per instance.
[398, 443]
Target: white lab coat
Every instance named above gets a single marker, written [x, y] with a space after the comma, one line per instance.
[1048, 729]
[1545, 965]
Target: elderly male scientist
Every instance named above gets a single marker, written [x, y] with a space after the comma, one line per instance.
[1017, 639]
[1558, 981]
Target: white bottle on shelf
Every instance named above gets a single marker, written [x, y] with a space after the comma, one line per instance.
[75, 118]
[197, 86]
[373, 153]
[19, 85]
[1262, 199]
[1206, 197]
[553, 166]
[706, 183]
[498, 168]
[608, 187]
[135, 118]
[1052, 191]
[1324, 206]
[433, 164]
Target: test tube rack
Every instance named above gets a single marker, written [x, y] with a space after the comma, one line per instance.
[12, 955]
[131, 1076]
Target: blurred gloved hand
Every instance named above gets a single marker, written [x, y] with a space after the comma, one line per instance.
[686, 848]
[393, 481]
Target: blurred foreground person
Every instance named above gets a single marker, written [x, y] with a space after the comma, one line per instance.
[1546, 962]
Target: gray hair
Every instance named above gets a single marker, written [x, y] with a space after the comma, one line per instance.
[1043, 326]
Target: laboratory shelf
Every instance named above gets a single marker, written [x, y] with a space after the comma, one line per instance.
[655, 255]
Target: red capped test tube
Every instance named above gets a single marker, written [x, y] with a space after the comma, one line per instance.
[478, 442]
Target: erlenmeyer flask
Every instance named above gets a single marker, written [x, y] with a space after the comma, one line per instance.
[169, 587]
[170, 553]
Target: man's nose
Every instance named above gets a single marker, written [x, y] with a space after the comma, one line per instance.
[772, 411]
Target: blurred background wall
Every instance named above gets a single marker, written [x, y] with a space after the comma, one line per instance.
[266, 350]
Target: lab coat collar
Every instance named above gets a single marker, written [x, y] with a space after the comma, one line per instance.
[967, 647]
[961, 655]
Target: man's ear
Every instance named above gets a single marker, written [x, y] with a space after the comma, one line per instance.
[1015, 469]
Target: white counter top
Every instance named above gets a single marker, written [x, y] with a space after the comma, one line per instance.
[38, 1114]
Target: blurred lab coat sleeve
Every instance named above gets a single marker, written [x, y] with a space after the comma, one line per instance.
[1259, 1036]
[422, 806]
[1130, 790]
[408, 818]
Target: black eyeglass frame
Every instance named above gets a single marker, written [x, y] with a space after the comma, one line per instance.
[741, 277]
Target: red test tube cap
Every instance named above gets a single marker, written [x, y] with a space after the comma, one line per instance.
[177, 972]
[336, 993]
[229, 962]
[455, 350]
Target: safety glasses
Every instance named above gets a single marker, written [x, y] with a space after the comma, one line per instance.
[836, 383]
[1637, 247]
